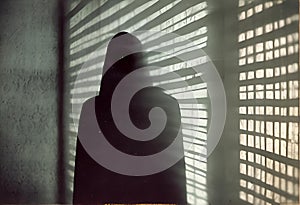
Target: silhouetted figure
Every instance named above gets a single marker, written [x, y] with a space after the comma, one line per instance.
[95, 184]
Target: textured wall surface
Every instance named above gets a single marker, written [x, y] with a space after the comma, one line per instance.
[28, 123]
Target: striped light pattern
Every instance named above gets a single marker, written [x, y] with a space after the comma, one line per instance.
[91, 23]
[268, 102]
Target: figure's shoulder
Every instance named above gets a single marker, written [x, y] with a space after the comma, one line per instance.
[171, 99]
[89, 101]
[173, 103]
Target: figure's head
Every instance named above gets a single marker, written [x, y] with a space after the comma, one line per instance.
[120, 46]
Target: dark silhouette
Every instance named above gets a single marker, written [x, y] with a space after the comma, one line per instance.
[95, 184]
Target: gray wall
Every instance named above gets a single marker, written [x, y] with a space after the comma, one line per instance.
[28, 89]
[29, 122]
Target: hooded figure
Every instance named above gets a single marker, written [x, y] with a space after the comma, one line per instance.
[93, 183]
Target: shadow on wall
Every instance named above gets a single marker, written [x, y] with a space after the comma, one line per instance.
[91, 23]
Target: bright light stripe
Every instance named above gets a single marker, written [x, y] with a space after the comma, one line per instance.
[178, 50]
[81, 59]
[103, 15]
[200, 166]
[72, 152]
[152, 17]
[201, 139]
[202, 129]
[179, 66]
[191, 95]
[86, 68]
[77, 100]
[268, 5]
[174, 80]
[85, 89]
[194, 133]
[201, 43]
[113, 25]
[188, 88]
[74, 116]
[93, 78]
[286, 22]
[177, 18]
[72, 163]
[194, 113]
[89, 41]
[273, 42]
[198, 32]
[192, 121]
[92, 37]
[83, 13]
[192, 106]
[73, 4]
[96, 33]
[86, 58]
[190, 10]
[200, 142]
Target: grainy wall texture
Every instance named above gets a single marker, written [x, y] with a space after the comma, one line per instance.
[28, 89]
[243, 38]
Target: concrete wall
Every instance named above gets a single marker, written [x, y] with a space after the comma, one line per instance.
[28, 90]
